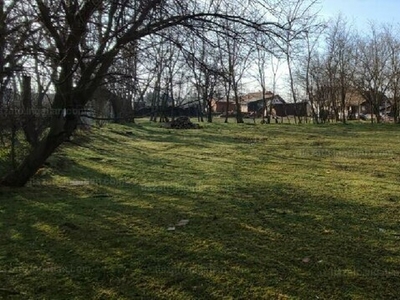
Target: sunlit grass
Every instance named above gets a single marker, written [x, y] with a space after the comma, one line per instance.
[275, 212]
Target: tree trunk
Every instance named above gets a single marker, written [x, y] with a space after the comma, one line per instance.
[343, 110]
[200, 113]
[28, 123]
[66, 109]
[14, 130]
[239, 117]
[61, 129]
[209, 111]
[264, 108]
[227, 108]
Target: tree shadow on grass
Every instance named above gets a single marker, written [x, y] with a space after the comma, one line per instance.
[243, 240]
[107, 237]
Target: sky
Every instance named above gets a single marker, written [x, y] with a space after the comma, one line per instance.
[361, 12]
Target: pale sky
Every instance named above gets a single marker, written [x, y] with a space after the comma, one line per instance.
[361, 12]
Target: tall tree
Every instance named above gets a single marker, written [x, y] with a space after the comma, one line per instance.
[262, 55]
[393, 41]
[204, 64]
[341, 57]
[234, 59]
[300, 18]
[83, 39]
[374, 57]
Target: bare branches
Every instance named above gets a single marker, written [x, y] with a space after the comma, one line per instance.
[77, 43]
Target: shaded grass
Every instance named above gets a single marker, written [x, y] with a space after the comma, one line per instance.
[275, 212]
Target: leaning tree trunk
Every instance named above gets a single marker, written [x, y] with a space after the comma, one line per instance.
[61, 128]
[66, 109]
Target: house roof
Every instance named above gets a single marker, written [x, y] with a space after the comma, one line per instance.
[223, 101]
[354, 98]
[255, 96]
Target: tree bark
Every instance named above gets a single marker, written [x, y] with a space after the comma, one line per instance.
[209, 111]
[29, 124]
[239, 116]
[39, 154]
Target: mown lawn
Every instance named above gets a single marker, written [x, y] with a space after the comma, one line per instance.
[275, 212]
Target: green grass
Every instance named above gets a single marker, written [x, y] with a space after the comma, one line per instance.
[275, 212]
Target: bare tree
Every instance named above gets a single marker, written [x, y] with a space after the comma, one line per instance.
[393, 42]
[235, 59]
[374, 57]
[13, 52]
[202, 59]
[307, 68]
[84, 38]
[341, 62]
[311, 45]
[262, 55]
[300, 19]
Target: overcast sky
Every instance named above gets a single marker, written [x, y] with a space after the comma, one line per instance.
[362, 11]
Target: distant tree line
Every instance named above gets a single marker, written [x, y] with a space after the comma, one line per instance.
[71, 48]
[115, 55]
[342, 68]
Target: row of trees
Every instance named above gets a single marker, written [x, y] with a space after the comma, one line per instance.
[327, 63]
[339, 64]
[72, 47]
[161, 49]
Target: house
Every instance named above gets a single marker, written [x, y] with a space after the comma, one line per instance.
[357, 104]
[353, 104]
[104, 106]
[253, 103]
[256, 106]
[385, 107]
[219, 106]
[299, 109]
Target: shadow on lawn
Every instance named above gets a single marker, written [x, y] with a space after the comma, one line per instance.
[108, 239]
[244, 241]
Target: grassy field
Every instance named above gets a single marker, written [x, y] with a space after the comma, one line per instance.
[274, 212]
